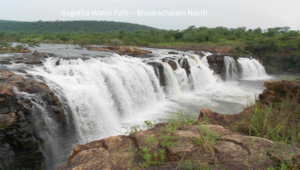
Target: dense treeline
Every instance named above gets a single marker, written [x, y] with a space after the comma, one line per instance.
[68, 26]
[278, 47]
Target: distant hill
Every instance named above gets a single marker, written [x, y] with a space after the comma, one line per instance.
[69, 26]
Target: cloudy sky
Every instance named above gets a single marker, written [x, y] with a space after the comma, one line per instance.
[228, 13]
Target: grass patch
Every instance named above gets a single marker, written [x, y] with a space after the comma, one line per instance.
[192, 165]
[206, 138]
[156, 158]
[279, 122]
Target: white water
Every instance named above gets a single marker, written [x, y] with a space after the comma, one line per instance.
[104, 94]
[231, 69]
[100, 92]
[201, 75]
[172, 85]
[182, 77]
[252, 69]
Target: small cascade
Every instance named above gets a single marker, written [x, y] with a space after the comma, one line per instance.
[252, 69]
[231, 69]
[172, 86]
[182, 77]
[201, 75]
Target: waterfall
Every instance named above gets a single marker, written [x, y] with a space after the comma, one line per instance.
[172, 86]
[101, 92]
[230, 69]
[182, 77]
[251, 69]
[201, 75]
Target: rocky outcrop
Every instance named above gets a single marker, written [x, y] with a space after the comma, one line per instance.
[220, 119]
[33, 58]
[230, 151]
[171, 62]
[185, 65]
[159, 72]
[280, 90]
[20, 143]
[216, 63]
[123, 50]
[14, 50]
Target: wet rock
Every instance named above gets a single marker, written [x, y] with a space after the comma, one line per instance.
[6, 120]
[57, 110]
[4, 110]
[20, 142]
[185, 65]
[216, 63]
[159, 72]
[172, 52]
[42, 55]
[200, 53]
[172, 64]
[123, 50]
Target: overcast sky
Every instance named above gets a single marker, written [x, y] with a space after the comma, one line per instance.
[227, 13]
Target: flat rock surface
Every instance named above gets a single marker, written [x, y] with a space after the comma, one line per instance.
[232, 150]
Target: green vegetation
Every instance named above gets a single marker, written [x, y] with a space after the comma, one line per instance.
[155, 159]
[167, 137]
[69, 26]
[206, 139]
[132, 129]
[192, 165]
[279, 122]
[278, 47]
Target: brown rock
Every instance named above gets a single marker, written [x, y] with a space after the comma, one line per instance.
[280, 90]
[185, 65]
[231, 151]
[172, 64]
[159, 72]
[7, 120]
[129, 50]
[217, 118]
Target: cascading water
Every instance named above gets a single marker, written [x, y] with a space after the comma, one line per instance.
[57, 138]
[231, 69]
[201, 75]
[182, 77]
[102, 92]
[252, 69]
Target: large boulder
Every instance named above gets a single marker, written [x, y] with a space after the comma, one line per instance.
[280, 90]
[216, 63]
